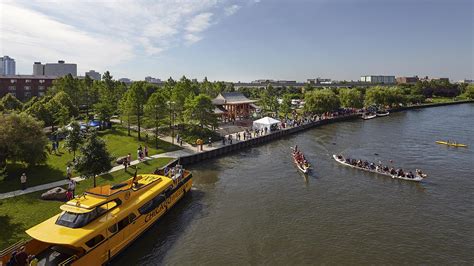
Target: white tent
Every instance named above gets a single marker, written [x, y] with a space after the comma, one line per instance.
[266, 122]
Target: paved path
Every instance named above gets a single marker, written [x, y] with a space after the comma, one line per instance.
[172, 154]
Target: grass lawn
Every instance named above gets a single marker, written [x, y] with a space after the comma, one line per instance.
[118, 144]
[441, 100]
[17, 214]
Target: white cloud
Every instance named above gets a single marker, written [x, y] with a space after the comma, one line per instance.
[199, 23]
[191, 38]
[229, 11]
[104, 33]
[33, 36]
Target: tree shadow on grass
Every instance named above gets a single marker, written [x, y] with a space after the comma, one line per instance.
[8, 232]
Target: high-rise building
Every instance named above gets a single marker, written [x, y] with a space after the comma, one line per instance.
[38, 69]
[93, 74]
[58, 69]
[7, 65]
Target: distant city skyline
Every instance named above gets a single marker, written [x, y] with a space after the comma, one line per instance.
[245, 40]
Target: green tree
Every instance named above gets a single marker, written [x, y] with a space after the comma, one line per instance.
[125, 111]
[285, 106]
[71, 86]
[181, 91]
[321, 101]
[61, 109]
[156, 109]
[41, 111]
[351, 98]
[94, 158]
[375, 96]
[89, 94]
[73, 138]
[135, 101]
[269, 100]
[21, 139]
[469, 91]
[11, 103]
[105, 106]
[201, 111]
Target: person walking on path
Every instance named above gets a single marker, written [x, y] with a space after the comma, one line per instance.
[146, 151]
[68, 171]
[210, 142]
[23, 181]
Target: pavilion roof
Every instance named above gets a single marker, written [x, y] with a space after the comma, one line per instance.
[231, 98]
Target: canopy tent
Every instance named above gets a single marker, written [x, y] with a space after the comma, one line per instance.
[266, 122]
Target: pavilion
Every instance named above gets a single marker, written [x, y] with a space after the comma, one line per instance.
[233, 105]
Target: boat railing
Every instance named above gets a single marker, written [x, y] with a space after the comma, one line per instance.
[68, 260]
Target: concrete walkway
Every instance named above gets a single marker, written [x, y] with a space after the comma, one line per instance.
[172, 154]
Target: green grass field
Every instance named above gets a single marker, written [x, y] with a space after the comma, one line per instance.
[17, 214]
[118, 144]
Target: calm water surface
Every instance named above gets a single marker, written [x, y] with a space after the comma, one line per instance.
[253, 207]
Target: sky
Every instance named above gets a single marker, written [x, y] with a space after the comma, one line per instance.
[244, 40]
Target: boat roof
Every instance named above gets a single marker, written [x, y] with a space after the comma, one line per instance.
[50, 232]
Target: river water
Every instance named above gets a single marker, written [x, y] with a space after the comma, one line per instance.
[253, 207]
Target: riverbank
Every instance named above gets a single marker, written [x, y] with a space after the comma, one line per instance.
[198, 157]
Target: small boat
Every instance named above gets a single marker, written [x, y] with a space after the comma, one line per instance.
[452, 144]
[301, 166]
[416, 178]
[368, 116]
[382, 113]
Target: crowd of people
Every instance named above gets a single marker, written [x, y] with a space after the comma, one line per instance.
[379, 167]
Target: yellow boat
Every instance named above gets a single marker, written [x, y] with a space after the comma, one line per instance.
[451, 143]
[96, 226]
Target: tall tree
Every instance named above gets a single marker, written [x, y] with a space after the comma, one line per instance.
[125, 111]
[21, 139]
[105, 106]
[181, 91]
[201, 110]
[136, 99]
[321, 101]
[73, 138]
[285, 106]
[156, 110]
[71, 86]
[94, 158]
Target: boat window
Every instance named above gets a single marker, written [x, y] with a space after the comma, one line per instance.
[113, 229]
[77, 220]
[94, 241]
[152, 204]
[126, 221]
